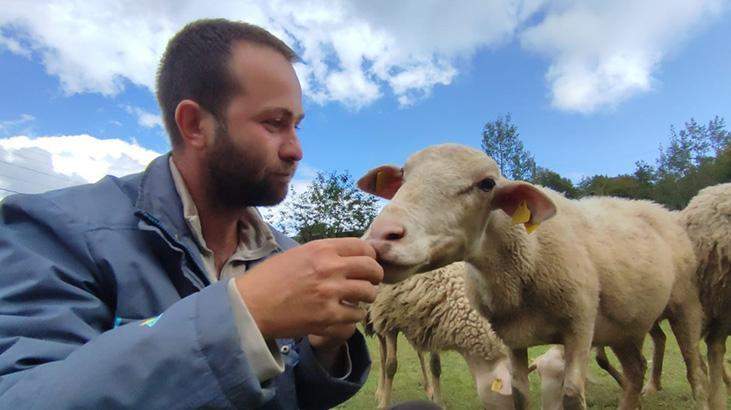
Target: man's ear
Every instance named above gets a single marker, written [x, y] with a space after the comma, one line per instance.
[383, 181]
[525, 203]
[189, 116]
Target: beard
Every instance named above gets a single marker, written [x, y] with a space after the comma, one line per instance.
[238, 178]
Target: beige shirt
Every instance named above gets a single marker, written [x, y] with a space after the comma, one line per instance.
[255, 242]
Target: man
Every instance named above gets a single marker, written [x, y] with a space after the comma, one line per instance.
[166, 289]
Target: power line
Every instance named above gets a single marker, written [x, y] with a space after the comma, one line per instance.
[16, 153]
[48, 184]
[10, 190]
[31, 169]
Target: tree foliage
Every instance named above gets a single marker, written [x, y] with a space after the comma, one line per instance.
[551, 179]
[331, 207]
[501, 141]
[696, 155]
[692, 160]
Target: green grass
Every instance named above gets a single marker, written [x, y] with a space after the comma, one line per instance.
[458, 388]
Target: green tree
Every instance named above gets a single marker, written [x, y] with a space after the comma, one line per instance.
[500, 140]
[693, 160]
[719, 138]
[645, 177]
[551, 179]
[330, 207]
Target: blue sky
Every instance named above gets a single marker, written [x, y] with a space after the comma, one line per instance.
[593, 88]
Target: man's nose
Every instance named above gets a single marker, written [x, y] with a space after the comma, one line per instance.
[291, 149]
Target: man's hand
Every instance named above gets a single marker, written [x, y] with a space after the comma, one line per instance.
[329, 347]
[313, 289]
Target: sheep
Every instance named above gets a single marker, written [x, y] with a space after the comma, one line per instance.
[598, 271]
[388, 343]
[654, 384]
[551, 369]
[550, 366]
[433, 313]
[707, 219]
[391, 339]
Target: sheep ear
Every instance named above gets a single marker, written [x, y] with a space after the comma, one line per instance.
[525, 203]
[501, 379]
[383, 181]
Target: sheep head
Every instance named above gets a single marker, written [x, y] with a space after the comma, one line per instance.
[440, 204]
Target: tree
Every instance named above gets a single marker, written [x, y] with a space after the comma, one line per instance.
[331, 207]
[551, 179]
[500, 140]
[645, 176]
[693, 160]
[719, 138]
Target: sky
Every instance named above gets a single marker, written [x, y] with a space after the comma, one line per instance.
[592, 85]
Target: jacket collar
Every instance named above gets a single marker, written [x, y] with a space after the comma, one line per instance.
[159, 199]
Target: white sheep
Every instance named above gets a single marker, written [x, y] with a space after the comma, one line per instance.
[433, 313]
[601, 272]
[707, 219]
[550, 367]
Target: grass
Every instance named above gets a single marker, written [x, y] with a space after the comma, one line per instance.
[458, 388]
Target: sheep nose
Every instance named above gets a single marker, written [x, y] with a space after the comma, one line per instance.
[387, 230]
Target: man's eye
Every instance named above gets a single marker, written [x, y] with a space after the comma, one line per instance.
[274, 124]
[486, 184]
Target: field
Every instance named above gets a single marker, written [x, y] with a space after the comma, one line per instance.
[458, 387]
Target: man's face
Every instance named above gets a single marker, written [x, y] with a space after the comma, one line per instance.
[255, 148]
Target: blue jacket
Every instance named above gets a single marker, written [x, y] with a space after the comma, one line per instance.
[80, 270]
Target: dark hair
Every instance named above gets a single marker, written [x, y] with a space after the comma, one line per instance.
[195, 66]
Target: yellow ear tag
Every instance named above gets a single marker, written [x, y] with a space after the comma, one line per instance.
[521, 214]
[497, 385]
[380, 181]
[530, 226]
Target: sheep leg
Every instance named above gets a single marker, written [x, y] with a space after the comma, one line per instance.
[424, 375]
[658, 353]
[382, 373]
[716, 342]
[520, 384]
[391, 367]
[576, 355]
[634, 366]
[603, 361]
[686, 325]
[435, 367]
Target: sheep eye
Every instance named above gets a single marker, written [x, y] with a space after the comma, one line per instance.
[486, 184]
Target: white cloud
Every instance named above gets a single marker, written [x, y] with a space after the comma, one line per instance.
[355, 52]
[14, 125]
[603, 52]
[145, 118]
[32, 165]
[13, 46]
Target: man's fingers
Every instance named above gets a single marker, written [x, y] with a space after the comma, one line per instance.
[363, 268]
[355, 291]
[341, 330]
[351, 247]
[348, 314]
